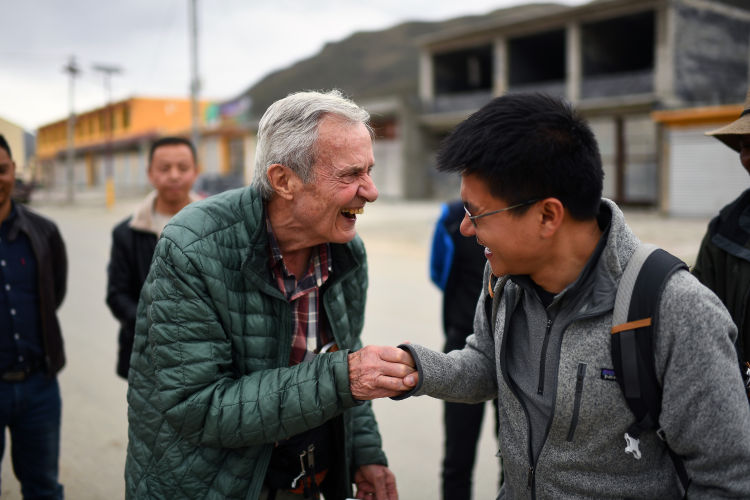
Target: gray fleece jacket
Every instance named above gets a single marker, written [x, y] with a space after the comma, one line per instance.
[563, 418]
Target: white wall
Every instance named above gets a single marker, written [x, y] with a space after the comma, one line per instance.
[388, 172]
[704, 174]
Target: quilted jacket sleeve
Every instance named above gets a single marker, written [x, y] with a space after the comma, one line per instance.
[368, 446]
[196, 387]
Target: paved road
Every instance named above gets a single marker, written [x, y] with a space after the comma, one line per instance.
[403, 305]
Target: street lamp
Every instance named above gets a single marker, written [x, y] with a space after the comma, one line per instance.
[108, 70]
[195, 83]
[73, 70]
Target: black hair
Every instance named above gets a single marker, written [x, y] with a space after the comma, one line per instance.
[4, 145]
[171, 141]
[527, 146]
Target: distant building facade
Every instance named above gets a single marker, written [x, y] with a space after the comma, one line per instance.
[616, 60]
[118, 137]
[21, 144]
[698, 173]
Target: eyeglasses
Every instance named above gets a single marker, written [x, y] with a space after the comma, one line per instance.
[473, 218]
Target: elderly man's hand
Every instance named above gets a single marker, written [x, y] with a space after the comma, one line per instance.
[375, 482]
[379, 371]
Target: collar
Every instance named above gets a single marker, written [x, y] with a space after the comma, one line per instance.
[143, 216]
[731, 228]
[277, 259]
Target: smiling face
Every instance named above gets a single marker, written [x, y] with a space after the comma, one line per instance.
[172, 172]
[7, 180]
[509, 238]
[328, 205]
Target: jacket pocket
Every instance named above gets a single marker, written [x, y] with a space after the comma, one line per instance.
[577, 403]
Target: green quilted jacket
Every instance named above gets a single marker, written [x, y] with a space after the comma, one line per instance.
[210, 389]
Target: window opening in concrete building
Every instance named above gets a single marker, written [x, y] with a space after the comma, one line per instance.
[618, 56]
[537, 62]
[464, 70]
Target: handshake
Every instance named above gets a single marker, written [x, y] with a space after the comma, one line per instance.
[381, 372]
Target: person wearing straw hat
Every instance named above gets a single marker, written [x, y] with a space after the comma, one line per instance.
[723, 262]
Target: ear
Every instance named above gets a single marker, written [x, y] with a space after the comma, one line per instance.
[283, 181]
[551, 215]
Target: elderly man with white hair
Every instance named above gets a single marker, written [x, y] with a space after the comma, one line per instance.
[247, 369]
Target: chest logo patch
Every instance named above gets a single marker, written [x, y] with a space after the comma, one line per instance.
[608, 374]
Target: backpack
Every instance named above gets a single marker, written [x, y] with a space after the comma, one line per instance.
[441, 251]
[634, 319]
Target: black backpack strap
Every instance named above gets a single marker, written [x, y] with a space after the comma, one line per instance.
[634, 319]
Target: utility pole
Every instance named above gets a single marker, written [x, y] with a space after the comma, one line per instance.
[194, 78]
[73, 70]
[108, 70]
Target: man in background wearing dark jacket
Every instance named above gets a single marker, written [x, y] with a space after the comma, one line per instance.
[247, 367]
[33, 277]
[172, 170]
[723, 262]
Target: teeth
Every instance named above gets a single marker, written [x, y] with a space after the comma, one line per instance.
[353, 211]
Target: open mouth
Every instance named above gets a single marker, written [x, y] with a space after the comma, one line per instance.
[351, 213]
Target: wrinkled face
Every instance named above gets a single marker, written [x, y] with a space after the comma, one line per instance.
[341, 184]
[509, 239]
[172, 172]
[745, 152]
[7, 177]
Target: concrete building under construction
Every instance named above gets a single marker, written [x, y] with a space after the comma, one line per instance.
[616, 60]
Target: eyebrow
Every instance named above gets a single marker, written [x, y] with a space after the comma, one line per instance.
[355, 169]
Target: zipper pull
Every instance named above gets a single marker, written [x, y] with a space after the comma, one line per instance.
[531, 478]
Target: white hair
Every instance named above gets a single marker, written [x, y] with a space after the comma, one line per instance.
[288, 132]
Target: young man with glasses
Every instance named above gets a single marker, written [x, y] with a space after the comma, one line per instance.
[531, 183]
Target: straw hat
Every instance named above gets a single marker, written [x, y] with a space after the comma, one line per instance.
[731, 134]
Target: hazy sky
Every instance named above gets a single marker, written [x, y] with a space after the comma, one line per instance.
[240, 41]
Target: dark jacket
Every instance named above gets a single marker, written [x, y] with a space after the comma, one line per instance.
[723, 265]
[133, 244]
[210, 386]
[129, 261]
[52, 262]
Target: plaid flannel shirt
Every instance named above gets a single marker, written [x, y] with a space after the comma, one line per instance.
[304, 296]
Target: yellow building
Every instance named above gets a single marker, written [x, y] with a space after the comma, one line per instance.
[118, 137]
[21, 144]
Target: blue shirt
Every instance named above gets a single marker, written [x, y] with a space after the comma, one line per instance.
[20, 333]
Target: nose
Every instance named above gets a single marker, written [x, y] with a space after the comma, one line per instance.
[467, 228]
[367, 189]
